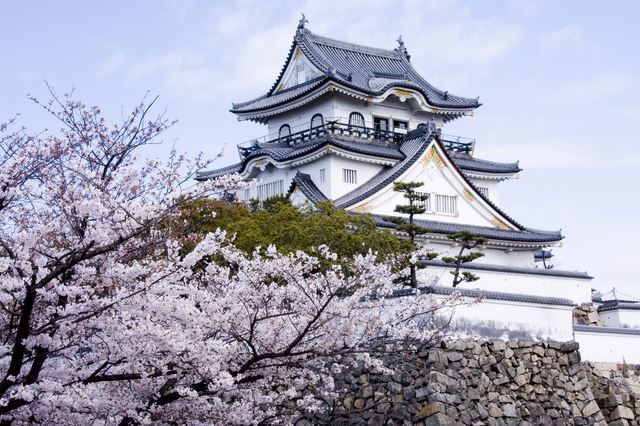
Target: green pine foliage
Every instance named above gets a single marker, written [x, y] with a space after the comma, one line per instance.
[276, 221]
[416, 206]
[467, 241]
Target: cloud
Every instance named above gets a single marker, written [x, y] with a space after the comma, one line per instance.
[588, 91]
[564, 38]
[112, 64]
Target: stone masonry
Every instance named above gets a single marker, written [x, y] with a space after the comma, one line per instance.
[488, 383]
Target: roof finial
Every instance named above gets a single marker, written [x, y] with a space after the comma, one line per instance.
[303, 20]
[401, 48]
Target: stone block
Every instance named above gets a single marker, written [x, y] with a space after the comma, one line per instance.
[622, 412]
[440, 420]
[590, 409]
[509, 410]
[494, 410]
[428, 410]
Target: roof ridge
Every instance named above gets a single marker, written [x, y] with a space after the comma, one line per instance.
[390, 53]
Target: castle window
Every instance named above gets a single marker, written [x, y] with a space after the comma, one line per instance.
[356, 119]
[380, 123]
[317, 121]
[270, 189]
[446, 204]
[323, 175]
[284, 133]
[349, 176]
[484, 191]
[400, 126]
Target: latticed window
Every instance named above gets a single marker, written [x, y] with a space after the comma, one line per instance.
[270, 189]
[349, 176]
[317, 121]
[446, 204]
[484, 191]
[323, 175]
[284, 132]
[439, 204]
[356, 119]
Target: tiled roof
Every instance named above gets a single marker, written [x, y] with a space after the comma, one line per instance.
[412, 147]
[284, 153]
[492, 295]
[282, 97]
[610, 305]
[524, 235]
[512, 269]
[227, 170]
[280, 153]
[471, 164]
[308, 188]
[606, 330]
[365, 69]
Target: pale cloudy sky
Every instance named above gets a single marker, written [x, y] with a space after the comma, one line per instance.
[559, 81]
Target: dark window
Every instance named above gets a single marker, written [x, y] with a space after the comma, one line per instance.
[284, 133]
[380, 123]
[397, 124]
[317, 121]
[356, 119]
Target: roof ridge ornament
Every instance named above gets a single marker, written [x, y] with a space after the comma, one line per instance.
[303, 20]
[402, 48]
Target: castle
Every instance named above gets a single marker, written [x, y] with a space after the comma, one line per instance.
[346, 121]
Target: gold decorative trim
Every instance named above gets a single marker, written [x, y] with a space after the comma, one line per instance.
[432, 155]
[500, 224]
[362, 208]
[403, 93]
[468, 195]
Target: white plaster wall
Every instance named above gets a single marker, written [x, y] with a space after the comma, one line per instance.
[609, 347]
[576, 290]
[434, 183]
[493, 256]
[629, 318]
[621, 318]
[610, 318]
[334, 106]
[391, 109]
[492, 187]
[366, 171]
[300, 118]
[513, 320]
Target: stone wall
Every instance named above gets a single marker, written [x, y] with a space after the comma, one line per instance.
[481, 382]
[616, 388]
[586, 314]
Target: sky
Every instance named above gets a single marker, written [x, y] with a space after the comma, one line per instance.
[558, 81]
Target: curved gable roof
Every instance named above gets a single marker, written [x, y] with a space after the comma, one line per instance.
[369, 70]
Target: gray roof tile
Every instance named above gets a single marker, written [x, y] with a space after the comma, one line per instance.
[611, 305]
[524, 235]
[308, 188]
[474, 266]
[471, 164]
[365, 69]
[492, 295]
[606, 330]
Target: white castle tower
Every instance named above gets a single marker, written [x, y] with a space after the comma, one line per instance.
[347, 121]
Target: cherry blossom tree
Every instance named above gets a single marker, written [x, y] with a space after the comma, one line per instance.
[104, 318]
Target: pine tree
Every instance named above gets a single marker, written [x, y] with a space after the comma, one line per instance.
[416, 206]
[467, 241]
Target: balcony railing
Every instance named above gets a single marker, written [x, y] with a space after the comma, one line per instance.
[365, 134]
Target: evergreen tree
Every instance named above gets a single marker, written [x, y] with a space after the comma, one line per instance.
[467, 241]
[416, 206]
